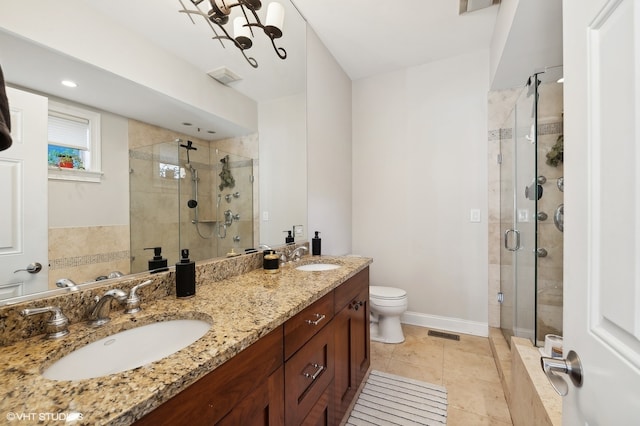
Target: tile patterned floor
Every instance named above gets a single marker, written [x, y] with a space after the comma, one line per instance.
[465, 367]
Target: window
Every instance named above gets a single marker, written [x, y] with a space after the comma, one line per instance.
[74, 143]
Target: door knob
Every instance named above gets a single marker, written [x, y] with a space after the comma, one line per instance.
[32, 268]
[570, 366]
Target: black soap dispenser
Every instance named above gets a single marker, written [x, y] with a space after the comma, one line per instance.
[289, 238]
[157, 264]
[185, 276]
[316, 243]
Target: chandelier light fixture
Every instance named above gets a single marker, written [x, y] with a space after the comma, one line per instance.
[243, 26]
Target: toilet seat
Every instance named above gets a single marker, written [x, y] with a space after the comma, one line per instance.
[386, 293]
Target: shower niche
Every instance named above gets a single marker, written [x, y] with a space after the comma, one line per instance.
[532, 211]
[191, 195]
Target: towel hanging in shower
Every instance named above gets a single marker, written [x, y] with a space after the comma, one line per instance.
[5, 117]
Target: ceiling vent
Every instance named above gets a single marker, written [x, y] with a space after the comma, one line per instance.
[467, 6]
[224, 75]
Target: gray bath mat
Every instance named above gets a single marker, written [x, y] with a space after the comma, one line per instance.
[387, 400]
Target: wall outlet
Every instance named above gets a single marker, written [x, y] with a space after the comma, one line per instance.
[265, 216]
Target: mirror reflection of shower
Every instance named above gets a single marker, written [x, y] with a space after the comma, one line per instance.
[193, 202]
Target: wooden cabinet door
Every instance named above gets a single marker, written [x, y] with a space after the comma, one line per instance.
[352, 350]
[263, 407]
[361, 356]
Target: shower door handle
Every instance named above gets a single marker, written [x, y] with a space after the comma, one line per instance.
[506, 239]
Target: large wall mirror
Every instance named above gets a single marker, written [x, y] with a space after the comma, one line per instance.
[254, 128]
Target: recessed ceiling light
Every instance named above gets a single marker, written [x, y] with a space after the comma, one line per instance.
[560, 80]
[211, 131]
[187, 124]
[69, 83]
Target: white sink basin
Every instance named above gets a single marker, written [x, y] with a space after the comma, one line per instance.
[317, 267]
[127, 350]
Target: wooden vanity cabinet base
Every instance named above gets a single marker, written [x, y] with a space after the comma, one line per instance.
[257, 369]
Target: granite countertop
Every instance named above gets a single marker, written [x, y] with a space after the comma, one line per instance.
[241, 309]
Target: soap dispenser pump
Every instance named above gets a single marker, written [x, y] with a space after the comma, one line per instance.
[289, 238]
[158, 263]
[316, 245]
[185, 276]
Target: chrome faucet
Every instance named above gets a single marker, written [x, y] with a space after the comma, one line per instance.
[57, 326]
[67, 283]
[132, 304]
[100, 313]
[296, 253]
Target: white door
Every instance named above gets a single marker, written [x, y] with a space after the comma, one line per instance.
[23, 197]
[602, 209]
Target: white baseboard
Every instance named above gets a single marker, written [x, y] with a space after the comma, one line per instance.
[446, 323]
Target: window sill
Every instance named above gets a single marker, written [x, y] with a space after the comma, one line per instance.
[57, 173]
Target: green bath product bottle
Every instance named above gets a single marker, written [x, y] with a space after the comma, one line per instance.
[185, 276]
[316, 244]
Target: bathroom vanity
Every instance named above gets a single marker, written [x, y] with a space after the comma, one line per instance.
[289, 348]
[306, 371]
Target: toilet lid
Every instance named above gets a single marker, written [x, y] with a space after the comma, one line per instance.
[381, 292]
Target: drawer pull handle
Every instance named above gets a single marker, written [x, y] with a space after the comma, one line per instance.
[319, 318]
[319, 368]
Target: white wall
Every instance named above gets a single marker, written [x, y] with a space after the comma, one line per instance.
[328, 148]
[419, 166]
[283, 158]
[79, 204]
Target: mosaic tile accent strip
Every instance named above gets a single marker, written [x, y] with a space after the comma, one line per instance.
[90, 259]
[550, 128]
[543, 129]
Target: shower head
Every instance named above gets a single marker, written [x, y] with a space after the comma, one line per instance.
[189, 146]
[192, 204]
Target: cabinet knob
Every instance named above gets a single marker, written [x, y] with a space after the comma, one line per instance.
[355, 305]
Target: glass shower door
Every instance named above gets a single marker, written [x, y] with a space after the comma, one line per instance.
[519, 194]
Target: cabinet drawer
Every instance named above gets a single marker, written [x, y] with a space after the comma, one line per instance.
[300, 328]
[351, 289]
[307, 375]
[321, 414]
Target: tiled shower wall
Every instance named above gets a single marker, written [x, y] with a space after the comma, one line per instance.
[500, 105]
[155, 204]
[549, 293]
[85, 253]
[549, 282]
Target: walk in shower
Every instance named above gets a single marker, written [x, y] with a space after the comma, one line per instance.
[187, 195]
[531, 211]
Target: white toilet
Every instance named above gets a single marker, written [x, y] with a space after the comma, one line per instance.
[387, 305]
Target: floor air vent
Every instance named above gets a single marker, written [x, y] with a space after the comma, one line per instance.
[443, 335]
